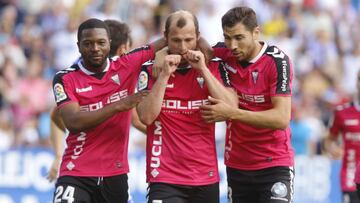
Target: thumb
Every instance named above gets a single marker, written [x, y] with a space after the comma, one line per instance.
[213, 100]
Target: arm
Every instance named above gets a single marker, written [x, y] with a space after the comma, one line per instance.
[76, 120]
[205, 48]
[277, 117]
[332, 147]
[216, 89]
[57, 130]
[135, 121]
[150, 107]
[159, 44]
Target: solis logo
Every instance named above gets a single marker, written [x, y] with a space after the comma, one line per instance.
[184, 105]
[252, 98]
[98, 105]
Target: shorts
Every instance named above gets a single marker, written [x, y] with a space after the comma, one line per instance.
[91, 189]
[350, 197]
[171, 193]
[270, 185]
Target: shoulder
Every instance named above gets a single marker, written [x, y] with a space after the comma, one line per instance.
[63, 73]
[343, 107]
[145, 75]
[139, 49]
[219, 45]
[279, 57]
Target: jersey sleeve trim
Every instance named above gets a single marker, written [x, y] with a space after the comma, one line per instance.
[283, 69]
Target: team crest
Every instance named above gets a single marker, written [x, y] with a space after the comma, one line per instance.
[143, 80]
[59, 92]
[200, 80]
[116, 79]
[255, 75]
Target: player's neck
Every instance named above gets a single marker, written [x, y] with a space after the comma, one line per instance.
[95, 69]
[257, 50]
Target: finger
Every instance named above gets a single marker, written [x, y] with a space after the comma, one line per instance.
[213, 100]
[207, 117]
[206, 107]
[206, 113]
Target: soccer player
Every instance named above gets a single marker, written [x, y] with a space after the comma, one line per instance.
[181, 155]
[258, 152]
[94, 97]
[120, 43]
[345, 123]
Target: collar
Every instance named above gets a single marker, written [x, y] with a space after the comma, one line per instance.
[87, 72]
[357, 104]
[262, 51]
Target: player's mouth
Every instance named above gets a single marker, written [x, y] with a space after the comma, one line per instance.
[96, 57]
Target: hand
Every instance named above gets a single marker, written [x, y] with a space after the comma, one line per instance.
[54, 169]
[159, 61]
[171, 63]
[195, 58]
[335, 152]
[217, 111]
[131, 101]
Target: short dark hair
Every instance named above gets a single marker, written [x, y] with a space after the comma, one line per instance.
[119, 34]
[244, 15]
[181, 22]
[90, 24]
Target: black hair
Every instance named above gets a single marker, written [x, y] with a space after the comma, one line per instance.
[244, 15]
[90, 24]
[119, 35]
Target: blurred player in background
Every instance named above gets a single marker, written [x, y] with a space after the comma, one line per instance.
[181, 155]
[345, 124]
[258, 152]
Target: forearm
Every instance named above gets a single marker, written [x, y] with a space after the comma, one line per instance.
[149, 108]
[56, 139]
[77, 121]
[261, 119]
[217, 90]
[159, 44]
[135, 121]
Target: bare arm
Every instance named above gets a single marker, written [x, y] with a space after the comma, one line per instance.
[76, 120]
[57, 130]
[277, 117]
[332, 147]
[159, 44]
[205, 48]
[150, 107]
[135, 121]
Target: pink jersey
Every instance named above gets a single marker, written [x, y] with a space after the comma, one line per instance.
[180, 145]
[269, 74]
[346, 122]
[103, 150]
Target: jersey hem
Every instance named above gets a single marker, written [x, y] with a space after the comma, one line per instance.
[258, 167]
[185, 182]
[95, 174]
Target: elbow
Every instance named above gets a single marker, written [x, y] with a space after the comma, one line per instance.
[283, 124]
[74, 127]
[146, 119]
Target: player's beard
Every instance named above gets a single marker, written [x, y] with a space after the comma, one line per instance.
[98, 64]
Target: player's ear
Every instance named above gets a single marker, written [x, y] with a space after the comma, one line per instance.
[256, 33]
[78, 45]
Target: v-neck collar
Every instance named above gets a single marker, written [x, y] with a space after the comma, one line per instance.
[87, 72]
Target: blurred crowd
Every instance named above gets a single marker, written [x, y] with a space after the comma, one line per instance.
[38, 38]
